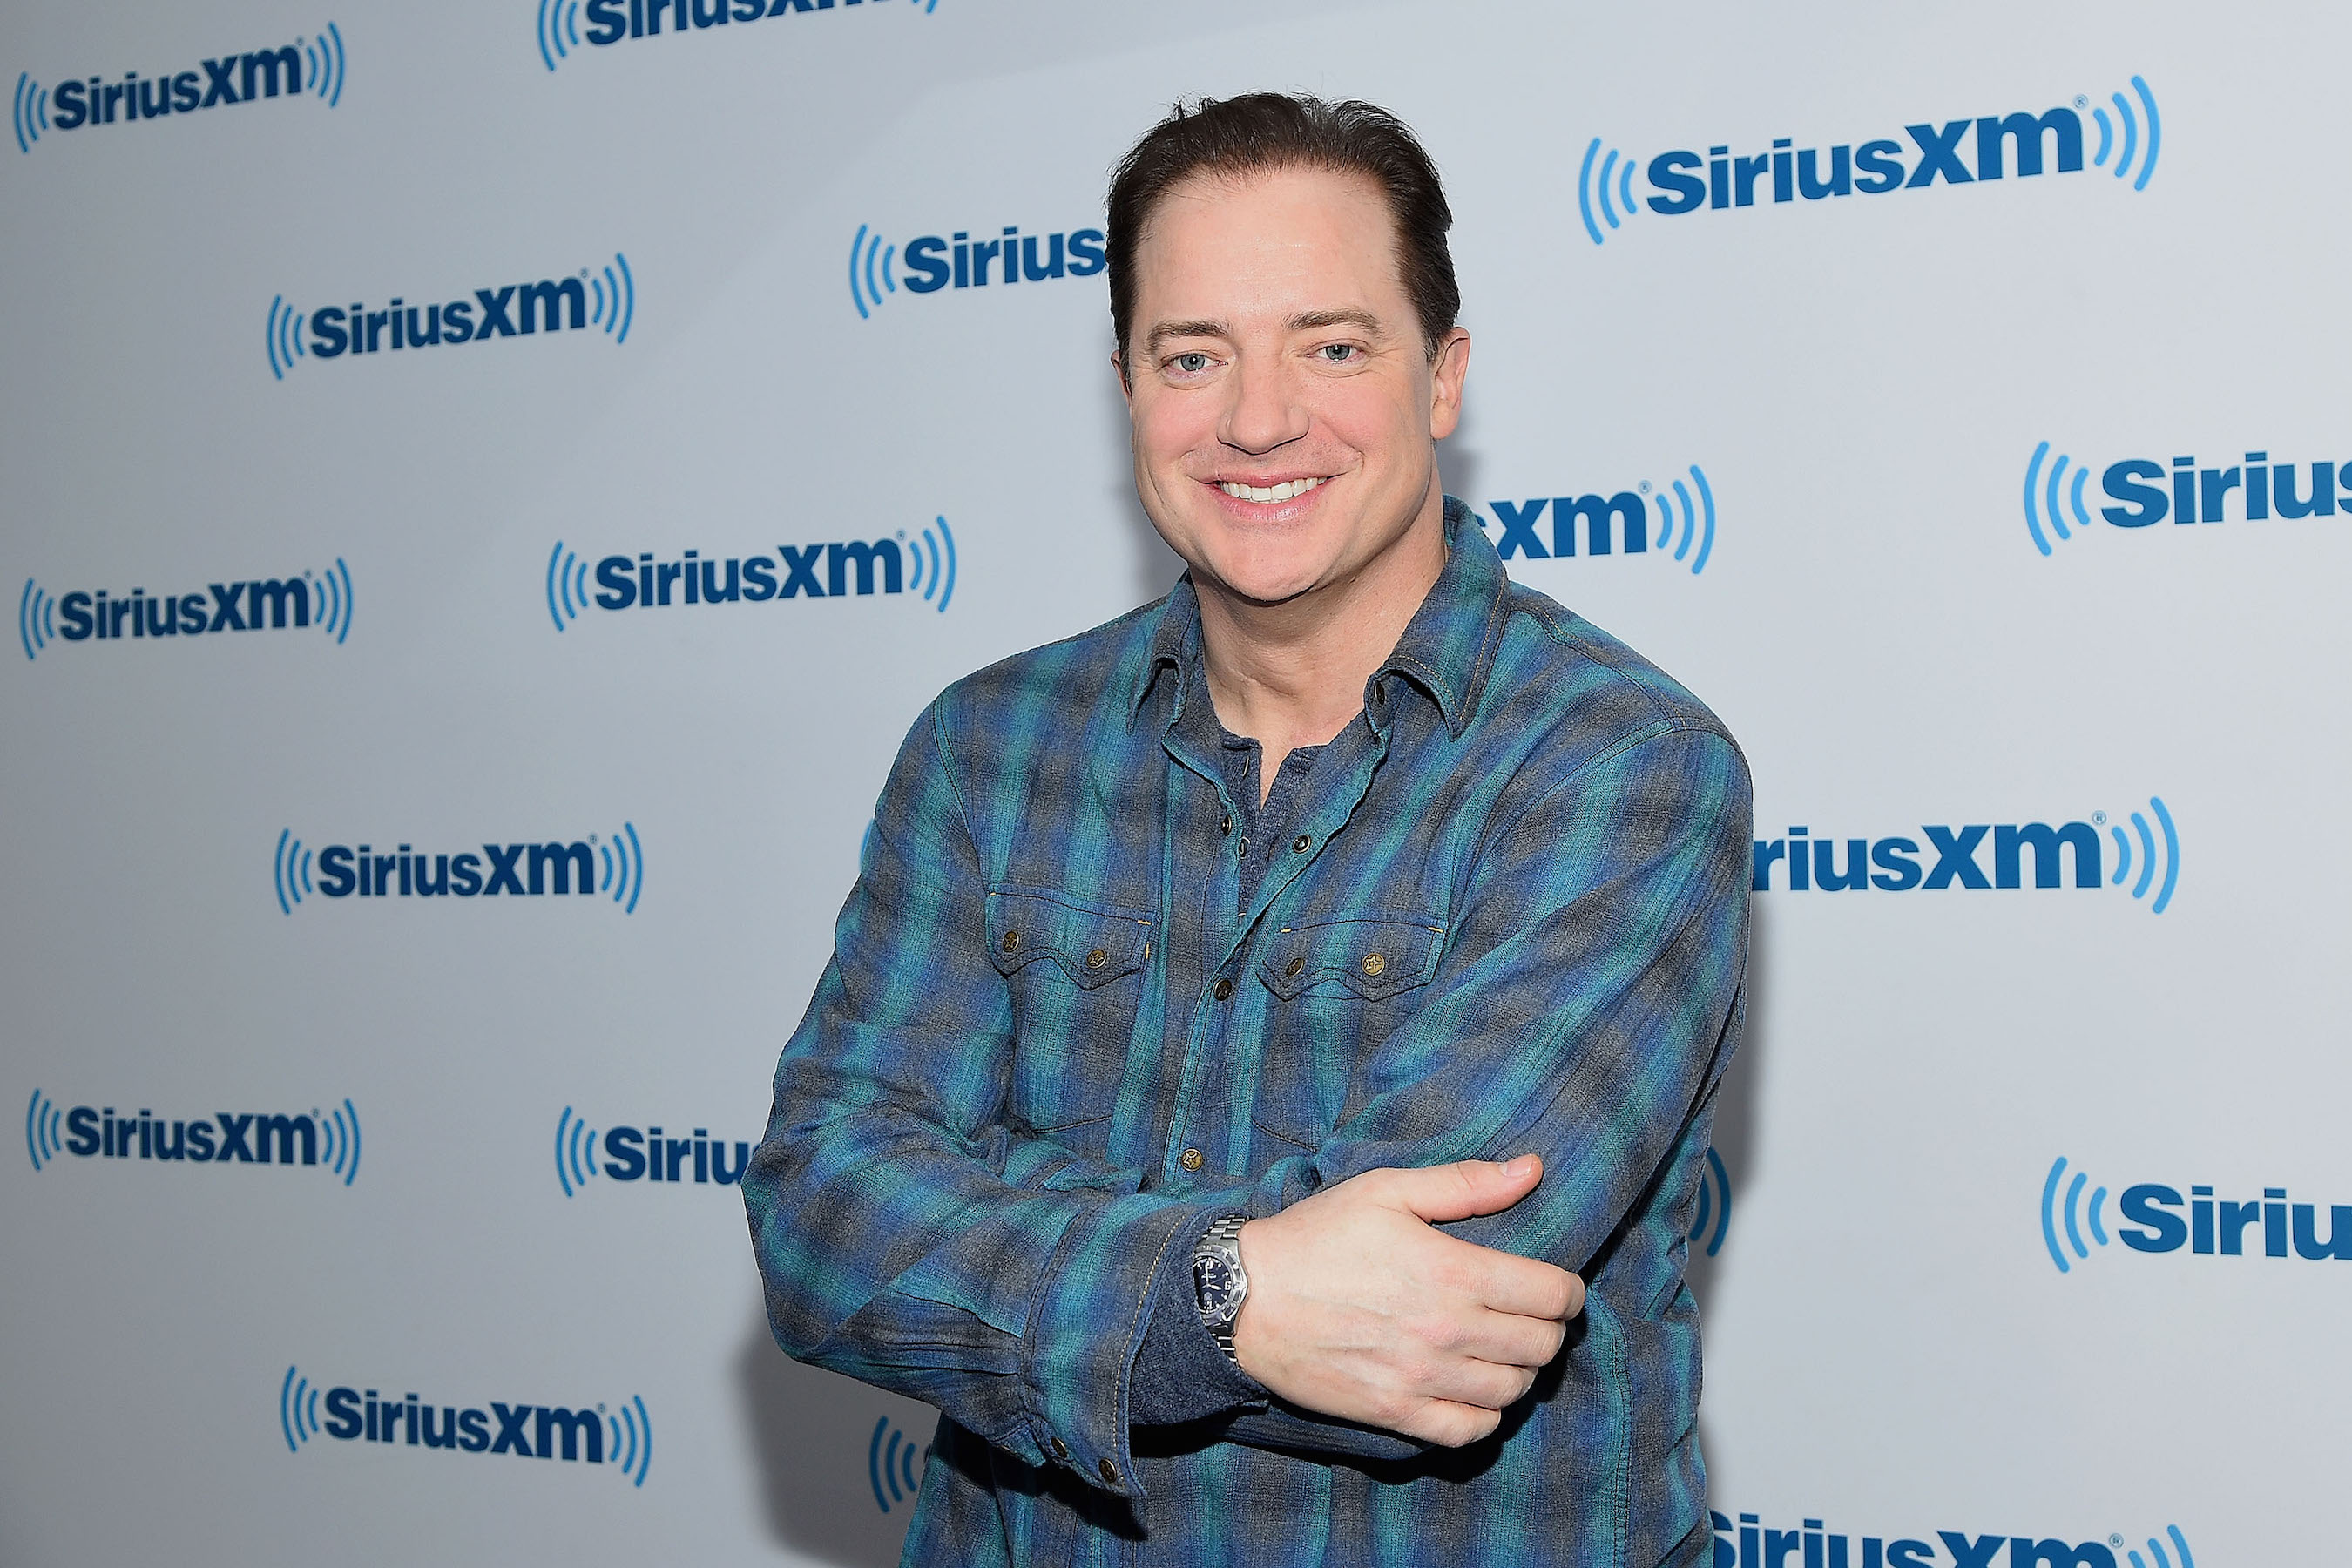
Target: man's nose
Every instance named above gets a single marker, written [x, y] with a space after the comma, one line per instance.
[1265, 413]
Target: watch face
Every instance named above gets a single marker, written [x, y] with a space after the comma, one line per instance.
[1214, 1288]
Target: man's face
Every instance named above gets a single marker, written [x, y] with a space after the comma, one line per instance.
[1274, 349]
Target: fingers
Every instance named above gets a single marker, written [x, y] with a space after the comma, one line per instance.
[1507, 1340]
[1466, 1188]
[1506, 1282]
[1448, 1424]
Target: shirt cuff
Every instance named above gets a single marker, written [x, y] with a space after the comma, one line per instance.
[1180, 1372]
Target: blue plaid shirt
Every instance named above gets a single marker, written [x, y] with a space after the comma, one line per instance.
[1055, 1042]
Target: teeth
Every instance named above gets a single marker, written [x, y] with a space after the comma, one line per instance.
[1265, 493]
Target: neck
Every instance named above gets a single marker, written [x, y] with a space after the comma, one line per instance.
[1293, 674]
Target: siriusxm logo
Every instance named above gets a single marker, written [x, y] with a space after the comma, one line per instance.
[933, 263]
[270, 604]
[2145, 493]
[307, 65]
[2213, 1227]
[614, 868]
[605, 297]
[622, 1437]
[1757, 1545]
[925, 566]
[1686, 183]
[611, 21]
[1892, 864]
[1686, 519]
[319, 1138]
[631, 1154]
[896, 1465]
[1713, 1217]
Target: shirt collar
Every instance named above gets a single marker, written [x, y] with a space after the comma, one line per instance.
[1446, 652]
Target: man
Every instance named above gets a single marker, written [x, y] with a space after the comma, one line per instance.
[1250, 1013]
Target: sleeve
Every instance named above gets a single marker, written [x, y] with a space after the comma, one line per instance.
[903, 1237]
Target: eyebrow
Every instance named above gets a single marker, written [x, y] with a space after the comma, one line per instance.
[1305, 321]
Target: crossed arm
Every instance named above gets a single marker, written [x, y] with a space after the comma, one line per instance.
[910, 1238]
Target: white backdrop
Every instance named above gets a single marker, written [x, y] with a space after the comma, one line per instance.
[1925, 1335]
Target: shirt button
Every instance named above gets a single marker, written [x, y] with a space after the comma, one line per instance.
[1110, 1473]
[1222, 989]
[1097, 959]
[1298, 844]
[1374, 963]
[1291, 971]
[1192, 1161]
[1012, 940]
[1061, 1449]
[1227, 827]
[1242, 848]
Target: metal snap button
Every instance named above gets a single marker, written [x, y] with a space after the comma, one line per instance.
[1061, 1449]
[1374, 963]
[1097, 959]
[1192, 1160]
[1110, 1473]
[1012, 940]
[1227, 827]
[1298, 844]
[1222, 989]
[1291, 971]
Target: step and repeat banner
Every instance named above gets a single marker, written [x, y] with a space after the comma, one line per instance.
[487, 486]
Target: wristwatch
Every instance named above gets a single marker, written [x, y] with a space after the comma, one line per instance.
[1219, 1284]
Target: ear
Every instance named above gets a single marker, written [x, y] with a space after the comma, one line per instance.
[1446, 373]
[1118, 364]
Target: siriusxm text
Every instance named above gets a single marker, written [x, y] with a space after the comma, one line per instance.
[519, 870]
[249, 607]
[934, 262]
[1799, 863]
[527, 1431]
[1957, 153]
[232, 79]
[2218, 1227]
[2256, 488]
[1754, 1545]
[515, 309]
[252, 1137]
[1628, 512]
[811, 571]
[631, 1155]
[611, 21]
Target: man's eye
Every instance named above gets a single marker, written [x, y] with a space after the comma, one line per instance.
[1338, 353]
[1189, 364]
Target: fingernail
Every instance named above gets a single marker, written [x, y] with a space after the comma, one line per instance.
[1525, 1165]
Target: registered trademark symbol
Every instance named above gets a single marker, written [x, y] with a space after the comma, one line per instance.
[902, 533]
[2083, 102]
[1645, 487]
[2111, 1540]
[2100, 818]
[583, 271]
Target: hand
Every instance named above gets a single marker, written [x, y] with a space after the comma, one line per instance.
[1359, 1308]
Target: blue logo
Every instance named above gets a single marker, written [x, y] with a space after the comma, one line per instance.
[1714, 1207]
[324, 599]
[603, 298]
[613, 21]
[307, 67]
[621, 1435]
[633, 1154]
[923, 567]
[1755, 1545]
[2148, 857]
[1686, 521]
[2214, 1226]
[2145, 492]
[613, 867]
[1683, 182]
[893, 1464]
[323, 1139]
[932, 262]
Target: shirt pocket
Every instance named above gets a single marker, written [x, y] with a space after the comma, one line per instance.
[1337, 989]
[1075, 967]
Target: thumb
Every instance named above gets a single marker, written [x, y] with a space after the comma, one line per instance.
[1466, 1188]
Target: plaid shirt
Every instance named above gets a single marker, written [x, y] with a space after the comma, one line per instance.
[1054, 1045]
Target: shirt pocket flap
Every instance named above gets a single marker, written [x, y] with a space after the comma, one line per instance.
[1372, 958]
[1094, 945]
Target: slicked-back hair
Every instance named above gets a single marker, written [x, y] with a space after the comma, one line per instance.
[1261, 132]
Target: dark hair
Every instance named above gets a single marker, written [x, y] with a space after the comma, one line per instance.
[1265, 130]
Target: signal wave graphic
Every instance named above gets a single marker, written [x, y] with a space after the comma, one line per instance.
[932, 568]
[623, 869]
[341, 1128]
[289, 871]
[1694, 522]
[559, 30]
[575, 1152]
[1610, 188]
[37, 620]
[2045, 516]
[616, 299]
[1714, 1205]
[893, 1465]
[2072, 1211]
[2156, 1552]
[2152, 863]
[323, 65]
[633, 1439]
[567, 585]
[297, 1410]
[285, 337]
[29, 115]
[42, 1120]
[870, 271]
[2133, 145]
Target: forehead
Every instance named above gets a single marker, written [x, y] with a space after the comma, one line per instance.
[1217, 242]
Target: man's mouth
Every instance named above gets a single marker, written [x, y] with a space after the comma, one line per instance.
[1287, 490]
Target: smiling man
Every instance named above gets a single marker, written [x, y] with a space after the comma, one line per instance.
[1263, 1080]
